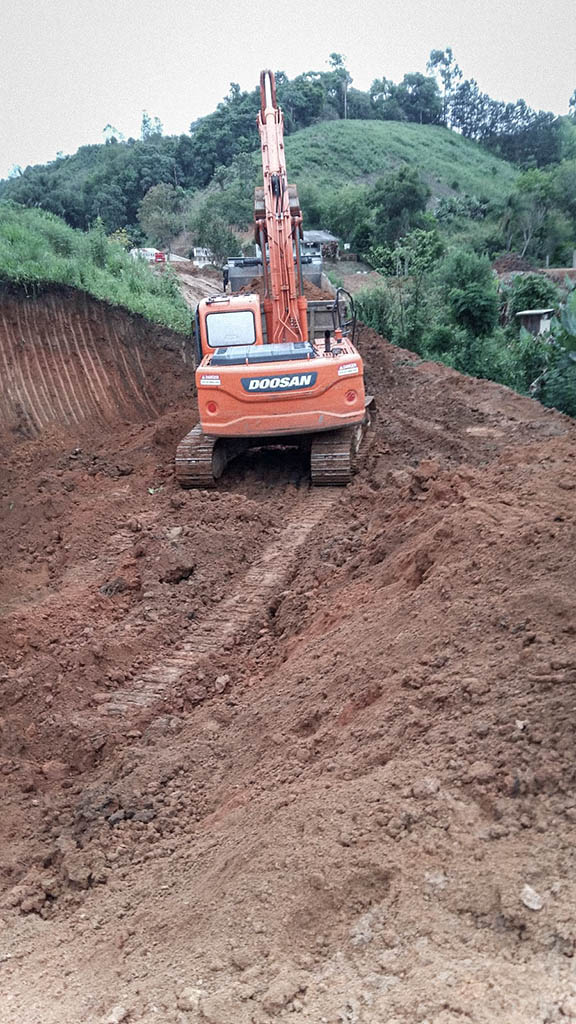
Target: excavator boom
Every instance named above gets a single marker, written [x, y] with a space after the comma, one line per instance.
[278, 230]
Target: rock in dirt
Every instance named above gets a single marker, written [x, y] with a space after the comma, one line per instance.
[221, 1008]
[531, 899]
[146, 815]
[282, 991]
[54, 771]
[189, 999]
[480, 771]
[425, 787]
[116, 1015]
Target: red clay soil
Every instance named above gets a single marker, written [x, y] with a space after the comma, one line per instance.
[311, 291]
[269, 751]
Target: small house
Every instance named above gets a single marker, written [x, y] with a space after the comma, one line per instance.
[320, 243]
[536, 321]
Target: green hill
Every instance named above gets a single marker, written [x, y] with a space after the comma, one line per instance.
[335, 164]
[337, 152]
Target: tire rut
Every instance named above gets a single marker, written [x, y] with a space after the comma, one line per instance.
[231, 618]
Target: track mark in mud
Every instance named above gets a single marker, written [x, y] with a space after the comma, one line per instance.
[231, 617]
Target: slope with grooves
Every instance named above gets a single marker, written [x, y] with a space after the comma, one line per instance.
[67, 359]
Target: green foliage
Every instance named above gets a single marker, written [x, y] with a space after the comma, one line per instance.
[531, 291]
[419, 99]
[37, 248]
[335, 153]
[469, 292]
[161, 214]
[462, 268]
[399, 200]
[443, 62]
[344, 209]
[212, 231]
[377, 307]
[415, 254]
[150, 126]
[475, 308]
[122, 238]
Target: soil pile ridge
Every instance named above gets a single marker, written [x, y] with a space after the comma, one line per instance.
[360, 807]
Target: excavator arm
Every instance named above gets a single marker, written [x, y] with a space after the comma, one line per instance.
[278, 226]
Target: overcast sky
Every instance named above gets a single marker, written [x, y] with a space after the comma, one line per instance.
[69, 67]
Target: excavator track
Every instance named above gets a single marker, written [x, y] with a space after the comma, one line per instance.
[333, 453]
[201, 459]
[195, 460]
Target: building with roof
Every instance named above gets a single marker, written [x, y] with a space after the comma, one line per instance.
[537, 321]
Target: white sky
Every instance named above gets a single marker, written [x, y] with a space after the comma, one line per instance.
[69, 67]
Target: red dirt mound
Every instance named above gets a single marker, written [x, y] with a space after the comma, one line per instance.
[311, 291]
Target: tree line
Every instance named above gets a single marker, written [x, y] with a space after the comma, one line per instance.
[109, 181]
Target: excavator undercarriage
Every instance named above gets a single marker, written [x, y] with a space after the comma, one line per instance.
[201, 459]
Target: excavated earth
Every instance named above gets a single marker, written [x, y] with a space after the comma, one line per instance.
[269, 754]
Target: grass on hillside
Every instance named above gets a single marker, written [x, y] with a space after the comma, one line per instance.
[38, 248]
[336, 152]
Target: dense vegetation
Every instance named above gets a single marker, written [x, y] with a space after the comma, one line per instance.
[38, 248]
[450, 309]
[109, 181]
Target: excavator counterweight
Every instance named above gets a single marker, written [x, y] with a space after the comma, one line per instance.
[276, 371]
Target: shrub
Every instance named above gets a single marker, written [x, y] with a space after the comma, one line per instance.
[376, 307]
[531, 291]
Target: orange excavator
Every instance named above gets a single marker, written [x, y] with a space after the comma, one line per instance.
[281, 372]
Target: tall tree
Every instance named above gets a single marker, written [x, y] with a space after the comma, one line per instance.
[399, 200]
[342, 80]
[443, 62]
[150, 126]
[419, 99]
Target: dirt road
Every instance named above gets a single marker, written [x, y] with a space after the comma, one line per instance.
[269, 754]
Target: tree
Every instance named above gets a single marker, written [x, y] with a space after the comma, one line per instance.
[419, 99]
[150, 127]
[531, 291]
[384, 100]
[399, 200]
[443, 62]
[302, 99]
[470, 292]
[161, 214]
[109, 204]
[339, 79]
[344, 209]
[469, 109]
[572, 106]
[112, 135]
[533, 206]
[212, 232]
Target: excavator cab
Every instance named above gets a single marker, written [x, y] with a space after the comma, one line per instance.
[227, 321]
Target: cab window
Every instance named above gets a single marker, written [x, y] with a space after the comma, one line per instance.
[234, 328]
